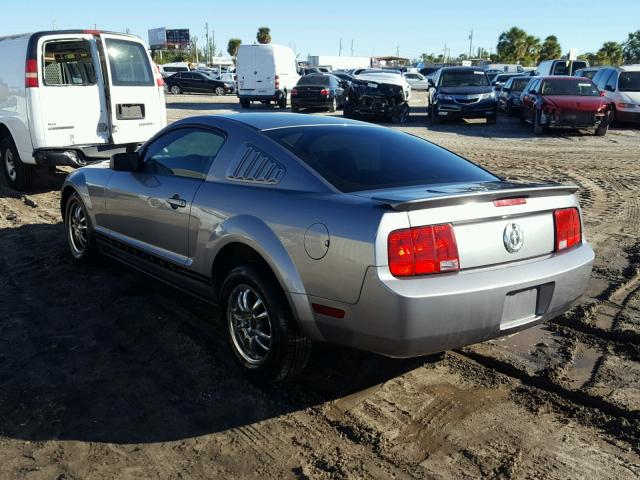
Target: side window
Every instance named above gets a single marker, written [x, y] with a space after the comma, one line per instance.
[68, 62]
[186, 76]
[612, 81]
[184, 152]
[600, 79]
[129, 64]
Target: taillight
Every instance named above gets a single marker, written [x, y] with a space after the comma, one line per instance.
[159, 79]
[294, 92]
[31, 74]
[568, 228]
[423, 250]
[324, 92]
[277, 82]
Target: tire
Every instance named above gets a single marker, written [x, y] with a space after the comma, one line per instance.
[433, 115]
[602, 129]
[282, 351]
[18, 175]
[538, 129]
[612, 117]
[79, 231]
[295, 108]
[508, 109]
[219, 91]
[245, 103]
[400, 114]
[347, 111]
[175, 89]
[282, 101]
[492, 119]
[334, 105]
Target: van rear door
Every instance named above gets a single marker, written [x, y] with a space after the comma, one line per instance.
[266, 70]
[135, 97]
[72, 102]
[246, 70]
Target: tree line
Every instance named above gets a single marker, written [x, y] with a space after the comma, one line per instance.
[517, 46]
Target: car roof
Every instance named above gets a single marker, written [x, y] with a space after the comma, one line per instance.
[562, 77]
[465, 69]
[630, 68]
[267, 120]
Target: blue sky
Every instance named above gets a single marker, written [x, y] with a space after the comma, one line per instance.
[315, 27]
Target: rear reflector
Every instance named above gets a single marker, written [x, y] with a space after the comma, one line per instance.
[31, 74]
[327, 310]
[568, 228]
[423, 251]
[507, 202]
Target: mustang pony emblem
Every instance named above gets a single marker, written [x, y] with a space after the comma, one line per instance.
[513, 237]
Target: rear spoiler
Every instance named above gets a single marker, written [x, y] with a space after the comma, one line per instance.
[481, 196]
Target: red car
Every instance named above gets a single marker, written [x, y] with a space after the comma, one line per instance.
[557, 101]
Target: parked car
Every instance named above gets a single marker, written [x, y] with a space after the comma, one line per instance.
[417, 81]
[461, 92]
[56, 107]
[309, 71]
[587, 72]
[621, 86]
[308, 229]
[266, 73]
[510, 93]
[501, 78]
[563, 101]
[344, 76]
[383, 95]
[197, 82]
[169, 69]
[318, 91]
[559, 67]
[428, 71]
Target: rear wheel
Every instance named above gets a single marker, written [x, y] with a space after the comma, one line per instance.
[219, 91]
[282, 101]
[176, 90]
[18, 175]
[265, 340]
[245, 103]
[79, 230]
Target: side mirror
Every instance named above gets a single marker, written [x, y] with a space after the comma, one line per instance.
[125, 162]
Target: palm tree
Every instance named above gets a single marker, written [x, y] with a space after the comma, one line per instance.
[233, 45]
[515, 45]
[264, 35]
[610, 53]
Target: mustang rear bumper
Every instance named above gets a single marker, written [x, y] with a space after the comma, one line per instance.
[421, 315]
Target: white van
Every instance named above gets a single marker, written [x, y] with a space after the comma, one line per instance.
[68, 97]
[559, 67]
[168, 69]
[265, 73]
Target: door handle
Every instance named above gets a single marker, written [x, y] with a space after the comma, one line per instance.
[176, 202]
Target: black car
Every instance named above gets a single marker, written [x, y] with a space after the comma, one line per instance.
[461, 92]
[509, 96]
[318, 91]
[500, 79]
[345, 77]
[197, 82]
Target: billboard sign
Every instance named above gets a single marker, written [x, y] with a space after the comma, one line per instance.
[178, 38]
[158, 38]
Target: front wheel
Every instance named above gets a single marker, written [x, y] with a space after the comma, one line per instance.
[265, 340]
[602, 129]
[433, 115]
[19, 175]
[400, 113]
[219, 91]
[79, 230]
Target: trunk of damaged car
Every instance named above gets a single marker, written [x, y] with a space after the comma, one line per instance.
[367, 97]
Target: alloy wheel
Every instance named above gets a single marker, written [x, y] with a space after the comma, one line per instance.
[77, 228]
[249, 324]
[10, 165]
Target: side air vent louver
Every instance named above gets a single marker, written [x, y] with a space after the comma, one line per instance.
[257, 167]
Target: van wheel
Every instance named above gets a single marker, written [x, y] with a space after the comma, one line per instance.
[176, 90]
[282, 101]
[265, 340]
[219, 91]
[245, 103]
[18, 175]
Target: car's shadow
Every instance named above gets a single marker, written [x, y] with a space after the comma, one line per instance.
[44, 181]
[104, 354]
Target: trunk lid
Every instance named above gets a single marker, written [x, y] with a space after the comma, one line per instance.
[486, 233]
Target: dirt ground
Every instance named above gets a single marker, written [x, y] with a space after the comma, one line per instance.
[106, 374]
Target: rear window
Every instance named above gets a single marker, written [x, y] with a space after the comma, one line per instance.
[68, 62]
[129, 64]
[313, 80]
[629, 82]
[581, 87]
[368, 158]
[467, 78]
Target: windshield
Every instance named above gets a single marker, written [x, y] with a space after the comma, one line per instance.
[467, 78]
[629, 82]
[367, 158]
[519, 84]
[129, 64]
[580, 87]
[313, 80]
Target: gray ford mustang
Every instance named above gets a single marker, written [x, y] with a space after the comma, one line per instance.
[306, 229]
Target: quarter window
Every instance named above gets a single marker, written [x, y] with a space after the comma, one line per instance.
[612, 81]
[185, 152]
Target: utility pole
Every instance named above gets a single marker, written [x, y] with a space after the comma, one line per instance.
[340, 49]
[206, 29]
[398, 51]
[53, 25]
[352, 47]
[470, 44]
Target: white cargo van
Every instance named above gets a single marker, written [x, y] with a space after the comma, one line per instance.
[265, 73]
[68, 97]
